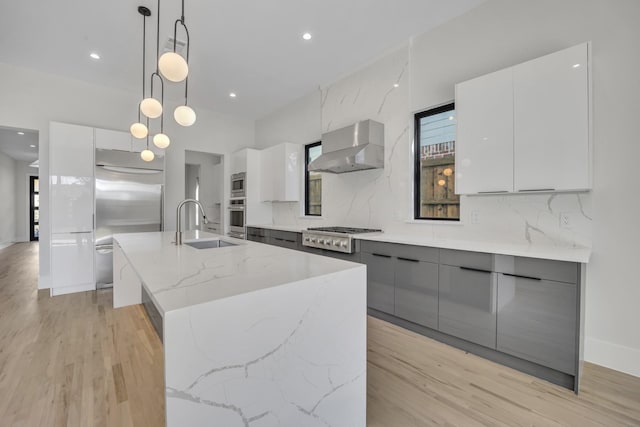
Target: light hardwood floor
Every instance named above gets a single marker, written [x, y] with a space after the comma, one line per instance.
[73, 360]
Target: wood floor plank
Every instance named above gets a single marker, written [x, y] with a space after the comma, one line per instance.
[73, 360]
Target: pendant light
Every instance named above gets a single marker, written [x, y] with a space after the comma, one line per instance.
[173, 66]
[160, 140]
[138, 129]
[146, 154]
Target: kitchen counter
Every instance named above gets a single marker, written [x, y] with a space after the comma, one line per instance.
[251, 332]
[579, 254]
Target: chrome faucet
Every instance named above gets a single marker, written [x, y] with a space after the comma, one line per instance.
[179, 222]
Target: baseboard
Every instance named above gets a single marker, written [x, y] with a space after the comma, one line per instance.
[72, 289]
[613, 356]
[5, 244]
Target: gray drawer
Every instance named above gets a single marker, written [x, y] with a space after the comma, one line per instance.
[416, 292]
[257, 232]
[290, 236]
[559, 271]
[380, 282]
[412, 252]
[479, 260]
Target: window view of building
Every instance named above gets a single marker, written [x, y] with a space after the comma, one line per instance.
[435, 196]
[313, 181]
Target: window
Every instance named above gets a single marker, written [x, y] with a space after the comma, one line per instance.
[435, 196]
[34, 208]
[312, 181]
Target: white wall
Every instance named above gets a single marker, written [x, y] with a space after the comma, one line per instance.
[7, 200]
[498, 34]
[31, 100]
[23, 172]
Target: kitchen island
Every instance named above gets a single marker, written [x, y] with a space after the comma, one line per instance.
[253, 335]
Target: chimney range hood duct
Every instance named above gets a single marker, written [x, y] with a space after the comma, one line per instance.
[352, 148]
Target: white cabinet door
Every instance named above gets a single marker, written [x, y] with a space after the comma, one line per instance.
[551, 108]
[269, 175]
[484, 134]
[71, 165]
[281, 173]
[113, 140]
[239, 161]
[72, 262]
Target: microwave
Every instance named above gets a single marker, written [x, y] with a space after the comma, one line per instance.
[238, 182]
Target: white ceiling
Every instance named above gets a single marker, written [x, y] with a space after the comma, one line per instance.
[253, 48]
[17, 146]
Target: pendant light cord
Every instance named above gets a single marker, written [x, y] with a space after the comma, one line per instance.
[157, 72]
[144, 55]
[175, 38]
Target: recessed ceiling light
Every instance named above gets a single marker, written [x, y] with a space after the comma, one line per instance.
[576, 65]
[94, 55]
[32, 146]
[450, 117]
[232, 95]
[20, 133]
[396, 85]
[306, 36]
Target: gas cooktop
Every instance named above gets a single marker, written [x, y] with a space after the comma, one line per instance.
[344, 230]
[339, 239]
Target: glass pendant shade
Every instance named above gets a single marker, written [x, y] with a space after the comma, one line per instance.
[161, 140]
[184, 115]
[151, 108]
[173, 67]
[147, 155]
[139, 130]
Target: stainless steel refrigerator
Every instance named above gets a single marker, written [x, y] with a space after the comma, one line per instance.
[129, 194]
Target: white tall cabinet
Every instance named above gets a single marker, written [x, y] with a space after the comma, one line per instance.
[71, 165]
[526, 128]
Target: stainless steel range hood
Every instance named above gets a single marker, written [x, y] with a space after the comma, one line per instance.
[352, 148]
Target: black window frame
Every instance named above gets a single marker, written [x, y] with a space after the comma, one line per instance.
[417, 164]
[307, 147]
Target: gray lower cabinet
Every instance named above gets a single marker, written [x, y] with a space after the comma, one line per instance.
[285, 239]
[537, 321]
[259, 235]
[416, 291]
[380, 281]
[467, 304]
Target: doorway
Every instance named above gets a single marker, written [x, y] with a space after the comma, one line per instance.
[34, 208]
[203, 182]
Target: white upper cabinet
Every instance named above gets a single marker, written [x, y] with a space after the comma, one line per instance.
[526, 128]
[113, 140]
[484, 134]
[551, 104]
[281, 173]
[71, 165]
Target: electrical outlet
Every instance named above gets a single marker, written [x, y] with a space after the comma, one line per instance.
[475, 217]
[565, 220]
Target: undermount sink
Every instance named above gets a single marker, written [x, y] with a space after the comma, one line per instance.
[208, 244]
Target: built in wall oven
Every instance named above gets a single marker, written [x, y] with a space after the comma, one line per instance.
[237, 218]
[238, 185]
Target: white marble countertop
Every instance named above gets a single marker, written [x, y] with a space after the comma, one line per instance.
[558, 253]
[182, 276]
[576, 254]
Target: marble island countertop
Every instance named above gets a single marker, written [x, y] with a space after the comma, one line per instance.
[559, 253]
[181, 276]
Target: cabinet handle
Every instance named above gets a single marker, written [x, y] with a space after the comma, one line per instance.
[536, 189]
[492, 192]
[522, 277]
[383, 256]
[475, 269]
[408, 259]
